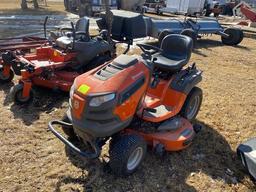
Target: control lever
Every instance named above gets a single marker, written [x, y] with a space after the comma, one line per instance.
[155, 82]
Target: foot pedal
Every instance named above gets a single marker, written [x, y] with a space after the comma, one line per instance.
[152, 110]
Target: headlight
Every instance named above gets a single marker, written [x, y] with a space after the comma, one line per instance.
[72, 90]
[97, 101]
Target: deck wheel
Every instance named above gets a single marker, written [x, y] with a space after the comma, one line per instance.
[16, 93]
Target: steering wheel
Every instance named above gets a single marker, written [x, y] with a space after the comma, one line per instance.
[148, 49]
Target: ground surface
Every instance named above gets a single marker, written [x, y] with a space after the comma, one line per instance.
[32, 159]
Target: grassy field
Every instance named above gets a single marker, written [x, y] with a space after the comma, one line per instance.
[32, 159]
[10, 7]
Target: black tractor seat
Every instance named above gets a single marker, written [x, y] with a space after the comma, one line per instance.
[82, 34]
[175, 53]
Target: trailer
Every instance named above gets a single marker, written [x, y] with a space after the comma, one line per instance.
[94, 7]
[154, 6]
[157, 28]
[188, 7]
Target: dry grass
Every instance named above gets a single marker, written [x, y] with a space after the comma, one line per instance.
[11, 7]
[32, 159]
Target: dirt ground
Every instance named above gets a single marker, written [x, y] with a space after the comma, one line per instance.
[32, 159]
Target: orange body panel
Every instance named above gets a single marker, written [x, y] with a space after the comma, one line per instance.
[163, 95]
[172, 140]
[78, 106]
[121, 81]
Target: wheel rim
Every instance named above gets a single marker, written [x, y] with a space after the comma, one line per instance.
[192, 108]
[135, 158]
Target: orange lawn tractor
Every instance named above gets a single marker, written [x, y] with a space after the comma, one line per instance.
[134, 102]
[56, 65]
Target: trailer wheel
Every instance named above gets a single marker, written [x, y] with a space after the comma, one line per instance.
[16, 94]
[6, 79]
[126, 153]
[190, 33]
[235, 36]
[192, 104]
[68, 130]
[163, 34]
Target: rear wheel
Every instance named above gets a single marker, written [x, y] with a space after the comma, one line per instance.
[190, 33]
[126, 153]
[16, 93]
[192, 104]
[6, 79]
[235, 36]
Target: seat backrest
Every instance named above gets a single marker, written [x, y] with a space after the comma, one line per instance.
[177, 47]
[83, 25]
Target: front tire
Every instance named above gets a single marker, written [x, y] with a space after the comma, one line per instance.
[192, 104]
[6, 79]
[16, 93]
[126, 153]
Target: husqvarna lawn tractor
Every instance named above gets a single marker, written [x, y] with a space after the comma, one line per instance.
[134, 101]
[56, 66]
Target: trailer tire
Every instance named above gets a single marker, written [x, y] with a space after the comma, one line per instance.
[163, 34]
[192, 104]
[190, 33]
[126, 153]
[4, 79]
[235, 36]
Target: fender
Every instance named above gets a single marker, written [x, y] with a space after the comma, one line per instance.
[186, 80]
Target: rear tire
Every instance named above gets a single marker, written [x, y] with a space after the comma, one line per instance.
[16, 94]
[4, 79]
[190, 33]
[192, 104]
[235, 36]
[126, 153]
[69, 131]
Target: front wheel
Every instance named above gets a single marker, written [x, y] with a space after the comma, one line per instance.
[17, 94]
[4, 78]
[126, 153]
[192, 104]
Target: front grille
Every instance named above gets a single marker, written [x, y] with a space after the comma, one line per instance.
[108, 71]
